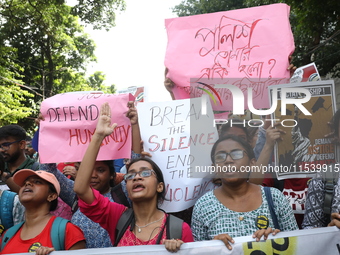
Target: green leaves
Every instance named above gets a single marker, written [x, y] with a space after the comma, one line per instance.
[11, 104]
[100, 14]
[194, 7]
[43, 45]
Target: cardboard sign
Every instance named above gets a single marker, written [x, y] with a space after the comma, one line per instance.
[70, 122]
[248, 48]
[179, 138]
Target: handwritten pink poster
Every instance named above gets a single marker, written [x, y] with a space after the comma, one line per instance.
[70, 122]
[248, 48]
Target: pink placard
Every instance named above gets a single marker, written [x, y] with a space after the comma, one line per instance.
[246, 47]
[70, 121]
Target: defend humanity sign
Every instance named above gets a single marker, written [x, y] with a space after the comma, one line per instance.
[70, 122]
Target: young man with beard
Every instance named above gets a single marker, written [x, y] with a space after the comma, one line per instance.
[12, 148]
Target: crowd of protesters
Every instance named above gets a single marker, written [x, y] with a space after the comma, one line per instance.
[90, 199]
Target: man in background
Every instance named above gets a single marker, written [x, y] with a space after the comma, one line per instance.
[13, 151]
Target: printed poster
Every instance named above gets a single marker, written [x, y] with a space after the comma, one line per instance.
[305, 148]
[306, 73]
[137, 92]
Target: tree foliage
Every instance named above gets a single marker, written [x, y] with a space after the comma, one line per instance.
[315, 25]
[194, 7]
[52, 49]
[12, 107]
[49, 41]
[96, 82]
[100, 14]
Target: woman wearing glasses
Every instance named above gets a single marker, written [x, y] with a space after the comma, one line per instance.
[145, 186]
[238, 207]
[103, 179]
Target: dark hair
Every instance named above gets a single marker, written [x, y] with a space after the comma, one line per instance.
[110, 164]
[233, 123]
[246, 146]
[159, 175]
[252, 131]
[14, 131]
[305, 126]
[54, 203]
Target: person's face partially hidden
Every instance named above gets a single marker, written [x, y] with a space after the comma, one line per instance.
[100, 179]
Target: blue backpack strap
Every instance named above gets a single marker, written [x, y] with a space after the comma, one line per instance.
[58, 231]
[269, 197]
[10, 233]
[6, 208]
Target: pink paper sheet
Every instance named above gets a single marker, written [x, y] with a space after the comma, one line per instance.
[70, 121]
[246, 47]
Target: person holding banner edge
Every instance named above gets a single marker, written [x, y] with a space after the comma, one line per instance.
[145, 186]
[238, 207]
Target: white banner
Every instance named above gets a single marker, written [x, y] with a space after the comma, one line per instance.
[300, 242]
[179, 138]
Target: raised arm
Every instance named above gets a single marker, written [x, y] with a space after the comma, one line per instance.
[273, 134]
[103, 129]
[136, 138]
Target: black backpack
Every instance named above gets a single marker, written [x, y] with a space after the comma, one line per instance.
[173, 226]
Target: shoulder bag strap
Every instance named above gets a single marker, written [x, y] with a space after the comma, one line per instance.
[269, 197]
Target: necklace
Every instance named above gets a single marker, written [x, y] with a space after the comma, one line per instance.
[139, 227]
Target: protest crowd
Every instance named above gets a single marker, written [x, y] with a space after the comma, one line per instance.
[98, 197]
[100, 202]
